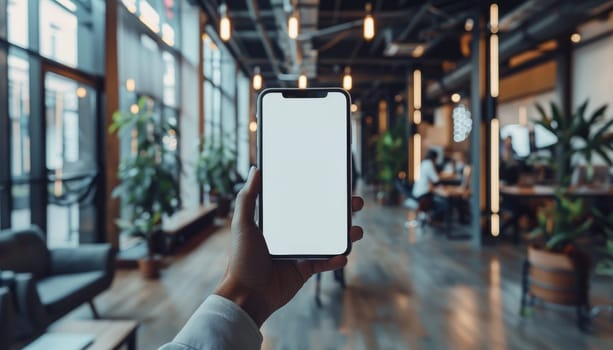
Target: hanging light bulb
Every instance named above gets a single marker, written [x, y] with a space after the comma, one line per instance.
[292, 25]
[225, 31]
[369, 24]
[347, 80]
[257, 79]
[302, 81]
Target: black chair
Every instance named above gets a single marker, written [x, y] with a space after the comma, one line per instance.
[6, 318]
[48, 284]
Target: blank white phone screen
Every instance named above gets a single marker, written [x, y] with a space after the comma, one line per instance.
[304, 174]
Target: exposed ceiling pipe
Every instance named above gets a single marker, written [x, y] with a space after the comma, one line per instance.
[524, 37]
[414, 21]
[252, 7]
[293, 58]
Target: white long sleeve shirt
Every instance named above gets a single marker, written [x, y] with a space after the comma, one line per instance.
[427, 176]
[217, 324]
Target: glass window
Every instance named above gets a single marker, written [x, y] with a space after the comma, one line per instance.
[72, 33]
[58, 33]
[71, 152]
[243, 125]
[169, 79]
[19, 114]
[212, 90]
[17, 18]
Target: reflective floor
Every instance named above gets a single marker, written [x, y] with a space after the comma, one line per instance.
[406, 289]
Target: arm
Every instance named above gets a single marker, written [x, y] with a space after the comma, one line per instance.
[431, 173]
[89, 257]
[253, 287]
[217, 324]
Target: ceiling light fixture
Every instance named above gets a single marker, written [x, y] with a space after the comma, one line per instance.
[469, 24]
[347, 80]
[418, 51]
[302, 81]
[257, 79]
[575, 38]
[369, 24]
[225, 31]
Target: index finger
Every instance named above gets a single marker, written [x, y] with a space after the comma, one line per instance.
[357, 203]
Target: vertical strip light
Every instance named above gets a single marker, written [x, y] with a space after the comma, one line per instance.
[417, 156]
[494, 177]
[494, 74]
[417, 89]
[416, 121]
[494, 125]
[292, 25]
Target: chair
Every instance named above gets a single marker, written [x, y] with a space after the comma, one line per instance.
[50, 283]
[6, 318]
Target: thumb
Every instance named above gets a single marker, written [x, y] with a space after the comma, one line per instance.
[245, 200]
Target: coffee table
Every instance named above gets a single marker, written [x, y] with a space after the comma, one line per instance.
[108, 334]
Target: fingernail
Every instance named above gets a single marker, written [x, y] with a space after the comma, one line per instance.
[251, 172]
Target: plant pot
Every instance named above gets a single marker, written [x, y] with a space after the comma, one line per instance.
[223, 205]
[149, 267]
[557, 277]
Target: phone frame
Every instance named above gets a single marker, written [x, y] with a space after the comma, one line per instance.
[305, 93]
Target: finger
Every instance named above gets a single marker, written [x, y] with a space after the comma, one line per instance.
[245, 200]
[357, 203]
[356, 233]
[309, 267]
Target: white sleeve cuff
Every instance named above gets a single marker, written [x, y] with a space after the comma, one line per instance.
[219, 324]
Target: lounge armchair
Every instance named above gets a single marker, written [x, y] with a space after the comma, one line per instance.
[49, 283]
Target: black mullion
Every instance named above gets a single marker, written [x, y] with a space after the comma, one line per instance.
[5, 155]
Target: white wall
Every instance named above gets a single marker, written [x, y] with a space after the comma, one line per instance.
[508, 112]
[592, 71]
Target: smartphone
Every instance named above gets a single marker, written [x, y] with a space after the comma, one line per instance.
[304, 155]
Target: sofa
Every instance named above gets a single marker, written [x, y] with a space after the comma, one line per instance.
[49, 283]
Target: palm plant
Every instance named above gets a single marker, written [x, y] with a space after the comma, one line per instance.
[148, 178]
[391, 156]
[578, 136]
[216, 168]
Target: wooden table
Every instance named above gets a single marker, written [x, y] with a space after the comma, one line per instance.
[108, 334]
[452, 193]
[548, 191]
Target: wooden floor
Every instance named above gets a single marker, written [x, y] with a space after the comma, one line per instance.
[407, 289]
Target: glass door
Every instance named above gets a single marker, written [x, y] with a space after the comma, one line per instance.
[71, 156]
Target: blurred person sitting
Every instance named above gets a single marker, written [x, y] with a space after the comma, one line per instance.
[422, 189]
[509, 164]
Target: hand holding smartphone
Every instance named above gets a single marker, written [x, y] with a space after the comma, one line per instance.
[304, 154]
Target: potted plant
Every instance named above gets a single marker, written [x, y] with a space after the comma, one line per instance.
[216, 171]
[148, 176]
[390, 158]
[605, 265]
[557, 259]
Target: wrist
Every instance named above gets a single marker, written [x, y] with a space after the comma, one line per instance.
[246, 299]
